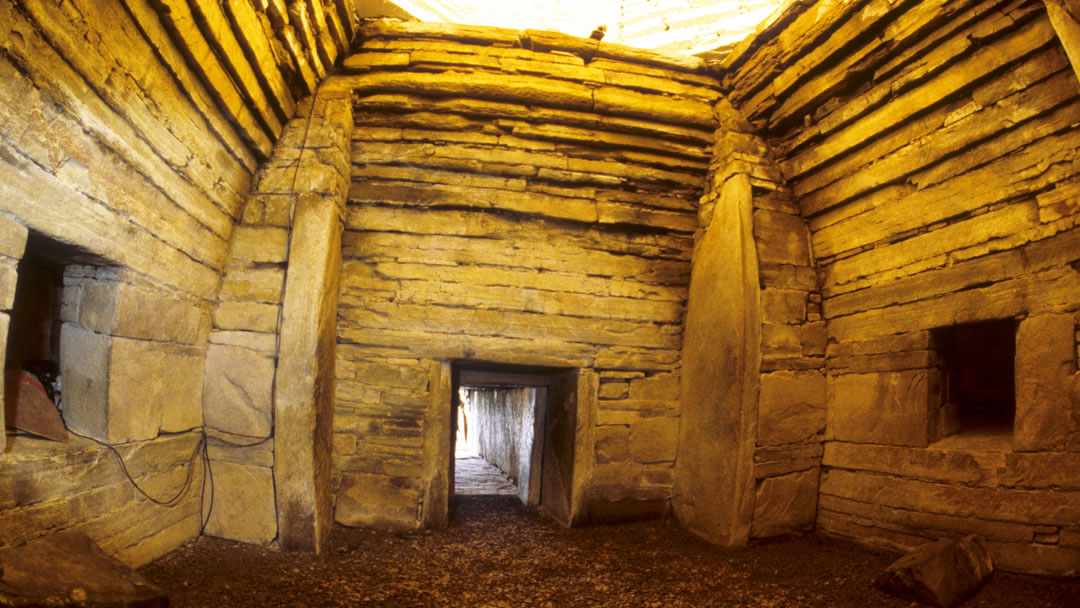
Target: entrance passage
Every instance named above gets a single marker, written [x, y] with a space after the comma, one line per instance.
[513, 434]
[475, 475]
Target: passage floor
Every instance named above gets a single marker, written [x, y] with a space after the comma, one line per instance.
[474, 476]
[498, 554]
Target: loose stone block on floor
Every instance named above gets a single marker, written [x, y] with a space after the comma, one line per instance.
[942, 573]
[69, 569]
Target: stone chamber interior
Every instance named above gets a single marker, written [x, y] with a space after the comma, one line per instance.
[826, 278]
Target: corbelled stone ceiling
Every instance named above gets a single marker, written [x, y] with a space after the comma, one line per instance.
[676, 26]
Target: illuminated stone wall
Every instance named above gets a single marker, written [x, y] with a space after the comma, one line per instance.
[516, 198]
[932, 148]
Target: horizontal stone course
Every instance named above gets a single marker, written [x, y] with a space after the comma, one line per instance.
[79, 485]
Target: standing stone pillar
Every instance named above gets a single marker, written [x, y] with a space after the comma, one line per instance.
[721, 358]
[304, 379]
[304, 392]
[714, 478]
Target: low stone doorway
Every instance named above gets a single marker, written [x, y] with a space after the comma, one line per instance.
[513, 434]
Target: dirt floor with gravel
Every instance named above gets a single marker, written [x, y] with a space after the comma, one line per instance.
[498, 554]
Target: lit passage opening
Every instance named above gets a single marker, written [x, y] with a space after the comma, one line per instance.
[495, 431]
[513, 433]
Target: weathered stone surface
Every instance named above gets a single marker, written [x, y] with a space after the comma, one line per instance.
[70, 569]
[614, 390]
[781, 340]
[1045, 506]
[268, 209]
[305, 73]
[814, 338]
[437, 456]
[395, 29]
[243, 507]
[619, 475]
[941, 193]
[236, 391]
[502, 428]
[946, 466]
[942, 573]
[246, 316]
[876, 263]
[405, 265]
[304, 390]
[85, 369]
[1045, 367]
[13, 237]
[259, 284]
[612, 444]
[253, 36]
[660, 108]
[783, 306]
[1035, 558]
[259, 454]
[258, 244]
[9, 278]
[658, 387]
[301, 20]
[153, 387]
[252, 340]
[714, 469]
[5, 322]
[123, 309]
[791, 407]
[79, 485]
[376, 500]
[162, 150]
[785, 504]
[1042, 470]
[654, 439]
[781, 237]
[884, 408]
[70, 218]
[131, 132]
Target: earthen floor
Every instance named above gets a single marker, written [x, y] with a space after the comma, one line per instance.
[497, 553]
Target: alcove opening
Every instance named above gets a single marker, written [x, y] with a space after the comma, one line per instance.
[978, 390]
[33, 343]
[34, 336]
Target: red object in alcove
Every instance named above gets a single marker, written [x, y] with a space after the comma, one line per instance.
[27, 407]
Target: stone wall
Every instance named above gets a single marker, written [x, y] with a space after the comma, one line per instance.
[501, 426]
[524, 198]
[129, 135]
[275, 251]
[931, 147]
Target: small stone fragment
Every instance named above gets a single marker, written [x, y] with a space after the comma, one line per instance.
[942, 573]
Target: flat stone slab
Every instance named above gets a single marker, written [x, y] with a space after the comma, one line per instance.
[69, 569]
[942, 573]
[474, 476]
